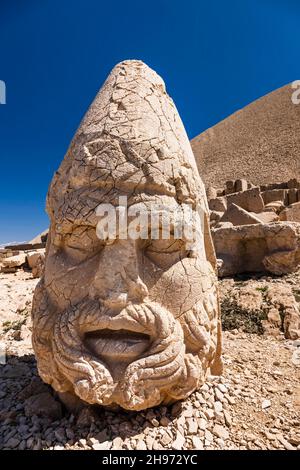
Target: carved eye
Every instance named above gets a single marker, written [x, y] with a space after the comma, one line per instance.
[82, 243]
[165, 253]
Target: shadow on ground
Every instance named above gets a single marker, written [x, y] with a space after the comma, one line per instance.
[33, 417]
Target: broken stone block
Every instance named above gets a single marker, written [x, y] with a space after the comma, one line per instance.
[36, 261]
[33, 256]
[239, 216]
[211, 193]
[229, 187]
[267, 217]
[275, 206]
[25, 246]
[291, 213]
[241, 185]
[14, 261]
[38, 269]
[273, 195]
[224, 225]
[250, 200]
[258, 248]
[292, 196]
[293, 183]
[218, 204]
[215, 217]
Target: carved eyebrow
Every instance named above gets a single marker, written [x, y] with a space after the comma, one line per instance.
[67, 227]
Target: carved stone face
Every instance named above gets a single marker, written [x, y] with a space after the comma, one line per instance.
[132, 322]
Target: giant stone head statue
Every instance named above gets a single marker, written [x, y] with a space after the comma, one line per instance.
[128, 321]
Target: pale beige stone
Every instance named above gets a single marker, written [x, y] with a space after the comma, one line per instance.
[241, 185]
[239, 216]
[291, 213]
[271, 247]
[292, 196]
[127, 322]
[274, 195]
[215, 217]
[211, 193]
[282, 296]
[230, 187]
[250, 200]
[36, 262]
[219, 204]
[267, 217]
[33, 256]
[275, 206]
[293, 183]
[14, 261]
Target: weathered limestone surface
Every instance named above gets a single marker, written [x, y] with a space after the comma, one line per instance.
[218, 204]
[241, 185]
[291, 213]
[13, 262]
[130, 322]
[250, 200]
[271, 247]
[273, 195]
[267, 217]
[32, 257]
[238, 216]
[36, 262]
[241, 249]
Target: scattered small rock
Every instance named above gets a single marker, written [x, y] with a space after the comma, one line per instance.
[266, 404]
[43, 405]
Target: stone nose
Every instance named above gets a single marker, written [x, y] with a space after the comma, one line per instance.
[117, 281]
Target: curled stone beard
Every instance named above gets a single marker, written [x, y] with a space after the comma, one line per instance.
[147, 380]
[162, 374]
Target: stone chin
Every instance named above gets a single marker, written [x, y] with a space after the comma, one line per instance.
[135, 358]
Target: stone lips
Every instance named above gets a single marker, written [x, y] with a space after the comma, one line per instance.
[260, 142]
[113, 324]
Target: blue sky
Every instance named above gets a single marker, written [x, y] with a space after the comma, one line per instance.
[215, 56]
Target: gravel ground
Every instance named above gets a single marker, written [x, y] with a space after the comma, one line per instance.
[254, 405]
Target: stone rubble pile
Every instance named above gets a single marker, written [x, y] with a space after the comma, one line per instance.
[27, 256]
[256, 228]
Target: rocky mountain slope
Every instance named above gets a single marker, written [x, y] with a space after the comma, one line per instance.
[252, 142]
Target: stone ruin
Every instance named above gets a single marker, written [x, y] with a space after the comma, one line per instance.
[125, 322]
[29, 256]
[256, 228]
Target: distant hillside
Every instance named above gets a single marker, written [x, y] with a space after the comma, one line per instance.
[261, 143]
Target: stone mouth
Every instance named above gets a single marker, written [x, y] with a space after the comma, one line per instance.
[116, 344]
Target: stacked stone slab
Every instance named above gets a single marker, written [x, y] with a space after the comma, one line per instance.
[27, 256]
[256, 228]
